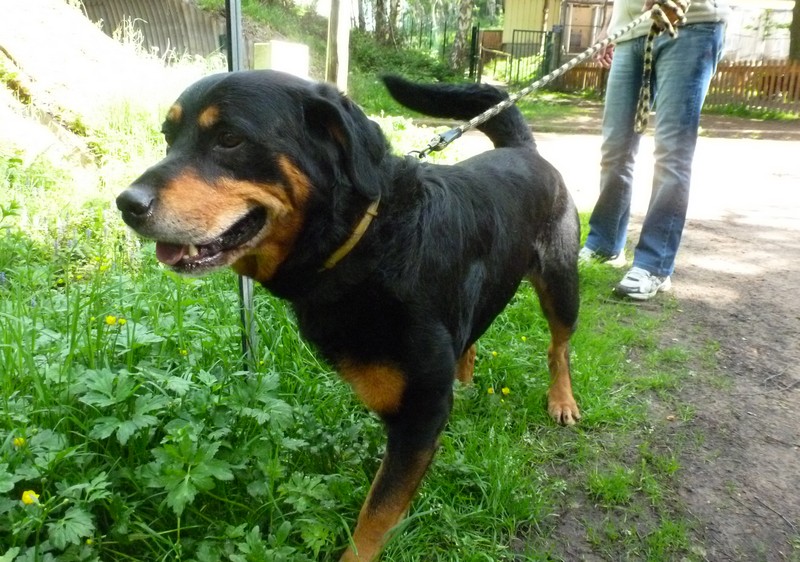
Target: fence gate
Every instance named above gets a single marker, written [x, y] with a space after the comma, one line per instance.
[530, 54]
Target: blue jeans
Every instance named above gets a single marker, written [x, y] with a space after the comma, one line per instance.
[682, 71]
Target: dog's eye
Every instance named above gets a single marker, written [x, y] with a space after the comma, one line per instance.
[229, 140]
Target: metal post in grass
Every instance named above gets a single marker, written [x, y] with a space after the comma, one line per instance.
[234, 42]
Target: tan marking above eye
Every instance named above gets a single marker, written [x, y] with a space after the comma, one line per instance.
[175, 113]
[208, 117]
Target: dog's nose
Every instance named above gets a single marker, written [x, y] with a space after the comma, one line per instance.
[136, 203]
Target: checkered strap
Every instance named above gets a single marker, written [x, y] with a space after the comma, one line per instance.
[666, 16]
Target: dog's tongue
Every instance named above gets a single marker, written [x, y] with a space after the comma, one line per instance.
[170, 254]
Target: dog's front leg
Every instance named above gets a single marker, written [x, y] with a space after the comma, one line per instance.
[412, 439]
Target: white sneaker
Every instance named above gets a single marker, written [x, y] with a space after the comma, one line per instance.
[641, 285]
[587, 256]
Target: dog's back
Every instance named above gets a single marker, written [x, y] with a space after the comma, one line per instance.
[463, 102]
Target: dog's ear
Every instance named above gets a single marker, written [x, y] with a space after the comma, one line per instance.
[357, 142]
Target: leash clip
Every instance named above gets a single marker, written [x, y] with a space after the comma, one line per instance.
[437, 143]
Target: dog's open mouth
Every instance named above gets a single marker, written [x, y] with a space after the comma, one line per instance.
[217, 252]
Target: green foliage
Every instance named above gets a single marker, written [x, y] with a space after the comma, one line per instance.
[372, 58]
[741, 110]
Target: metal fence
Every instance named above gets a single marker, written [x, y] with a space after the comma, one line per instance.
[428, 34]
[171, 27]
[530, 54]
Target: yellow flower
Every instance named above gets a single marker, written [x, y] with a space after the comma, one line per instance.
[103, 268]
[78, 277]
[92, 319]
[111, 320]
[524, 338]
[19, 442]
[505, 390]
[121, 321]
[490, 391]
[29, 497]
[89, 542]
[184, 352]
[494, 354]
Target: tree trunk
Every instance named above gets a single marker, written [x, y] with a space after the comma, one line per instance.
[394, 14]
[381, 29]
[458, 56]
[362, 24]
[794, 33]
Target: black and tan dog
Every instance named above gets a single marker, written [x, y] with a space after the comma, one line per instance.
[394, 267]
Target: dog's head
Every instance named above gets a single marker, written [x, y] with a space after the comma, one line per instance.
[253, 159]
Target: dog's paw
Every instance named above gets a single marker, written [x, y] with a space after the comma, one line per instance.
[564, 411]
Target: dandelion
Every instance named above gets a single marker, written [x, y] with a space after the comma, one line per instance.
[505, 390]
[494, 354]
[122, 321]
[19, 442]
[490, 390]
[111, 320]
[29, 497]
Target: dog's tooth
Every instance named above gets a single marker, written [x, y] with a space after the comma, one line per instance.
[193, 251]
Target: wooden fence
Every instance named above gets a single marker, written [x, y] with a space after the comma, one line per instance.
[765, 85]
[754, 85]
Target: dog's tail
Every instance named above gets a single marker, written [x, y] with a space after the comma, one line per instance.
[463, 102]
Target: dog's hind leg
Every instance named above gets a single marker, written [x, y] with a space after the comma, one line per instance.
[558, 296]
[412, 439]
[556, 282]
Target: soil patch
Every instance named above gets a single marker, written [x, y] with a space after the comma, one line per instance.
[740, 480]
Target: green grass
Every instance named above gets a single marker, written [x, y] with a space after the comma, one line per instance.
[741, 110]
[370, 93]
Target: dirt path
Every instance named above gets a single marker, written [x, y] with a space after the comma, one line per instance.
[741, 482]
[736, 283]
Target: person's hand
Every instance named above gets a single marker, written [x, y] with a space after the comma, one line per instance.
[603, 56]
[667, 14]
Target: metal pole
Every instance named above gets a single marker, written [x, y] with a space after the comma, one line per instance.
[236, 61]
[235, 38]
